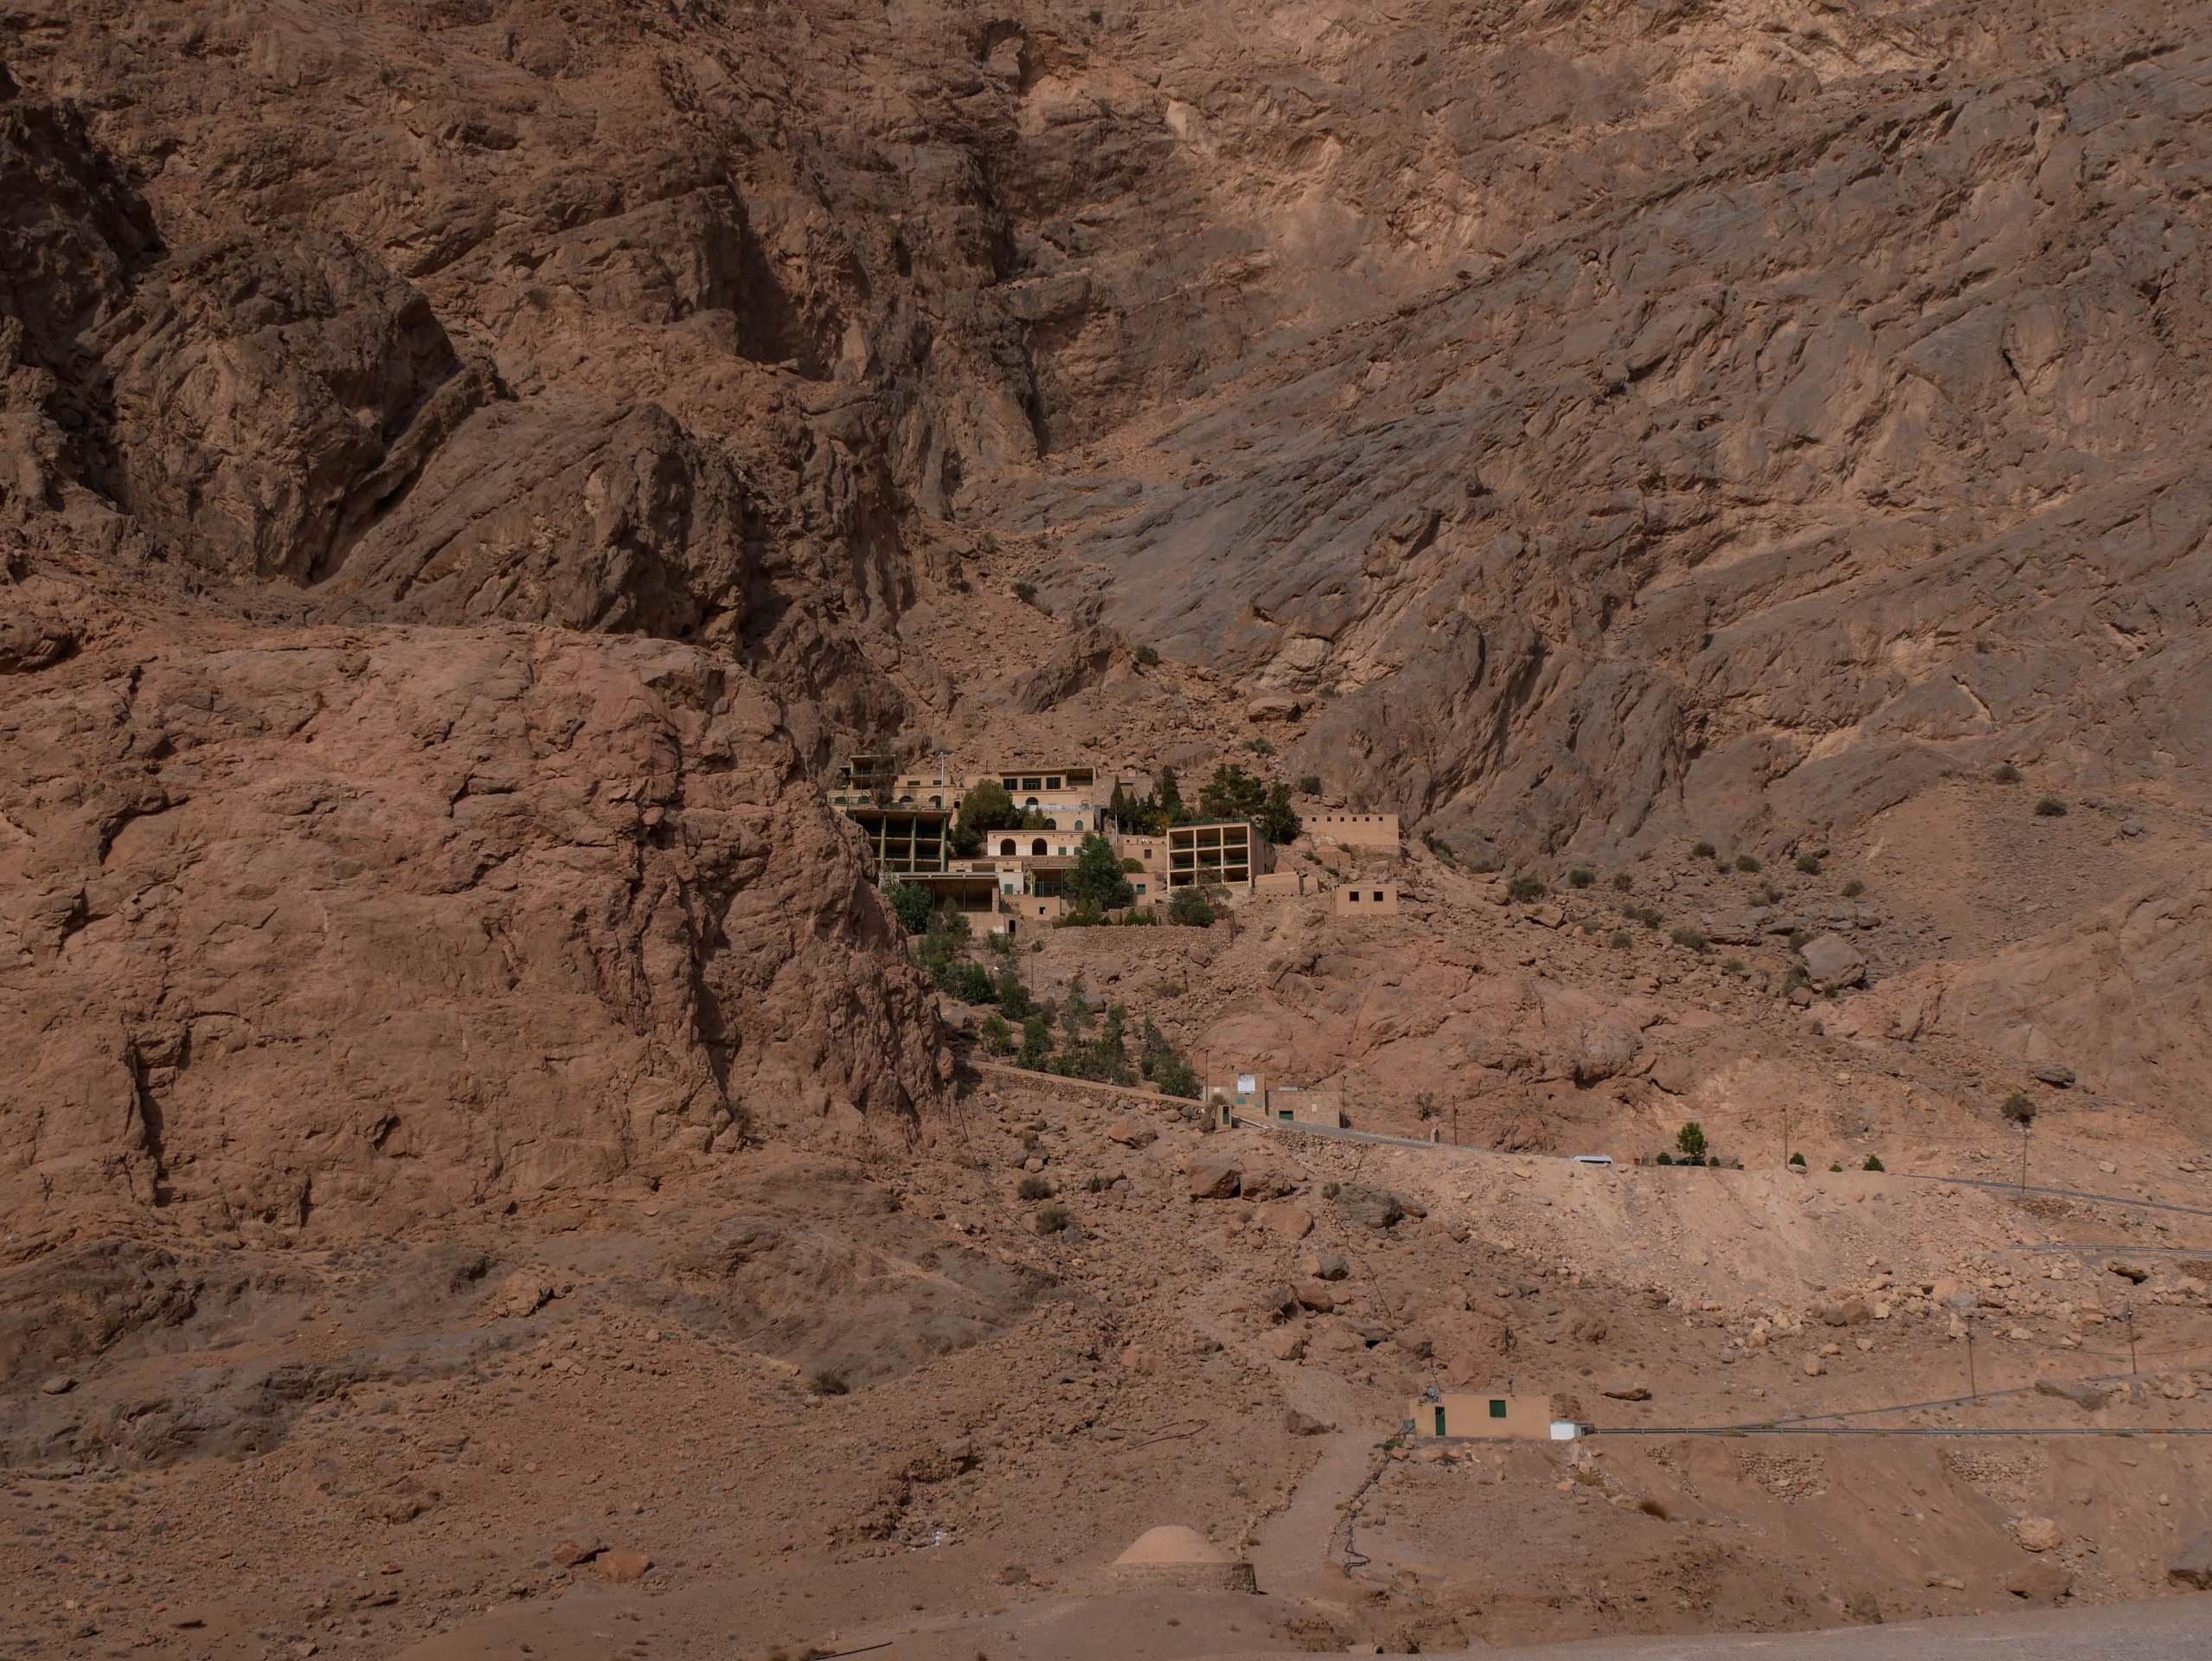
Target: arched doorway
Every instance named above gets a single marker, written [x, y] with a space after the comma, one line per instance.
[1006, 848]
[1037, 847]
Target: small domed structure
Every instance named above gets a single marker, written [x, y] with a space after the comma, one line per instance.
[1174, 1556]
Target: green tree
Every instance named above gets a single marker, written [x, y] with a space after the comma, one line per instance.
[1690, 1139]
[1098, 881]
[1036, 1040]
[911, 903]
[986, 807]
[1189, 908]
[1014, 996]
[1233, 793]
[1167, 796]
[998, 1036]
[1278, 821]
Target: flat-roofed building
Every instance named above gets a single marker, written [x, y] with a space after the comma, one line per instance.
[1367, 900]
[1457, 1417]
[1069, 795]
[1355, 829]
[1231, 852]
[1282, 884]
[906, 839]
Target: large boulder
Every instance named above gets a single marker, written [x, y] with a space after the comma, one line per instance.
[1833, 963]
[1375, 1208]
[1210, 1178]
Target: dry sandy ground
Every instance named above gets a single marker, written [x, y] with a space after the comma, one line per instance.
[1023, 1407]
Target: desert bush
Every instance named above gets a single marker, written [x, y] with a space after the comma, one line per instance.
[1664, 1159]
[1025, 592]
[1526, 887]
[1621, 940]
[1799, 938]
[1649, 916]
[1148, 657]
[1703, 850]
[2050, 808]
[1873, 1164]
[1653, 1508]
[828, 1381]
[972, 983]
[1260, 745]
[2006, 773]
[998, 1036]
[1310, 782]
[1580, 877]
[910, 903]
[1623, 881]
[1329, 1191]
[1853, 889]
[1189, 907]
[1693, 939]
[1835, 1167]
[2019, 1108]
[1734, 965]
[1034, 1187]
[1767, 895]
[1050, 1219]
[1809, 863]
[1749, 864]
[1797, 1159]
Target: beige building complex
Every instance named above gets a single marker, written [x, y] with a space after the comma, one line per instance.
[1452, 1416]
[907, 815]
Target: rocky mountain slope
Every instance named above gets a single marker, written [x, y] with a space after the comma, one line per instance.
[467, 472]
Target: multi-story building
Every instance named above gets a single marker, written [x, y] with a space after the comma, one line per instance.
[1231, 852]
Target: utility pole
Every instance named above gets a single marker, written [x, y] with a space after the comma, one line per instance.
[1972, 1388]
[2132, 1369]
[2024, 1159]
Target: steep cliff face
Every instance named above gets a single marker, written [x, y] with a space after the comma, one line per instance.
[1601, 424]
[336, 929]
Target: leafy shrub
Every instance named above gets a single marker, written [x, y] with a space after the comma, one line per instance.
[1799, 938]
[1621, 940]
[1749, 864]
[1025, 592]
[2006, 773]
[972, 983]
[1084, 915]
[1034, 1187]
[1176, 1077]
[1189, 907]
[1310, 784]
[1690, 1139]
[2019, 1108]
[1734, 965]
[1873, 1164]
[1526, 887]
[1767, 895]
[1148, 657]
[1050, 1219]
[1703, 850]
[2050, 808]
[1835, 1167]
[1664, 1159]
[998, 1036]
[1131, 866]
[1623, 881]
[1797, 1159]
[1809, 863]
[1138, 919]
[910, 904]
[1014, 996]
[1580, 877]
[1329, 1191]
[1649, 916]
[1693, 939]
[1853, 889]
[828, 1381]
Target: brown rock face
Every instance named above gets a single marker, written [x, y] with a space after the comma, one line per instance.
[329, 928]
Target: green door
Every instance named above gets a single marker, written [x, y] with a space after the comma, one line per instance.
[1439, 1422]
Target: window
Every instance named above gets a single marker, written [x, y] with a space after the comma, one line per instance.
[1033, 784]
[1054, 825]
[1378, 896]
[1052, 784]
[1356, 897]
[1006, 850]
[1140, 888]
[1498, 1409]
[1284, 1113]
[1032, 802]
[1036, 848]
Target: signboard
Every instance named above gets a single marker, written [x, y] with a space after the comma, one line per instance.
[1247, 1084]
